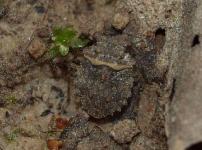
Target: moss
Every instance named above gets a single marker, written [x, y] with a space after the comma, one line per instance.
[1, 2]
[12, 135]
[64, 40]
[51, 133]
[10, 99]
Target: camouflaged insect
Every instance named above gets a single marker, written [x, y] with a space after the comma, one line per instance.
[105, 77]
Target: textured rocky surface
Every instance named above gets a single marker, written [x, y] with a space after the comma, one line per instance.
[78, 128]
[127, 72]
[80, 134]
[184, 121]
[98, 140]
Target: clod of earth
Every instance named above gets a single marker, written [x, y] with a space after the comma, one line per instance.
[99, 140]
[124, 131]
[78, 128]
[120, 20]
[83, 135]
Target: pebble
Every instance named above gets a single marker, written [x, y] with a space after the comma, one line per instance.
[120, 20]
[124, 131]
[142, 143]
[37, 48]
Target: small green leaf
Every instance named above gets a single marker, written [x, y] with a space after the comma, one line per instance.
[65, 39]
[63, 50]
[79, 42]
[63, 35]
[54, 51]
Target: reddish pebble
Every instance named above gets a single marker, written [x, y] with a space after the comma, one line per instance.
[54, 144]
[61, 123]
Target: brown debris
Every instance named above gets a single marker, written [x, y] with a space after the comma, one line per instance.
[37, 48]
[54, 144]
[147, 107]
[43, 32]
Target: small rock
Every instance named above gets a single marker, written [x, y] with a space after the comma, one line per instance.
[61, 123]
[37, 48]
[78, 127]
[53, 144]
[124, 131]
[120, 21]
[142, 143]
[98, 140]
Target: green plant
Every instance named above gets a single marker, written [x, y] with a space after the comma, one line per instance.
[10, 99]
[1, 2]
[12, 135]
[51, 133]
[64, 39]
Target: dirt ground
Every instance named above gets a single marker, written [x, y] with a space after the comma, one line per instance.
[111, 94]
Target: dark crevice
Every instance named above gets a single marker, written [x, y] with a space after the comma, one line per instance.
[89, 5]
[111, 31]
[91, 42]
[195, 41]
[108, 2]
[3, 11]
[197, 146]
[160, 39]
[40, 9]
[160, 31]
[173, 90]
